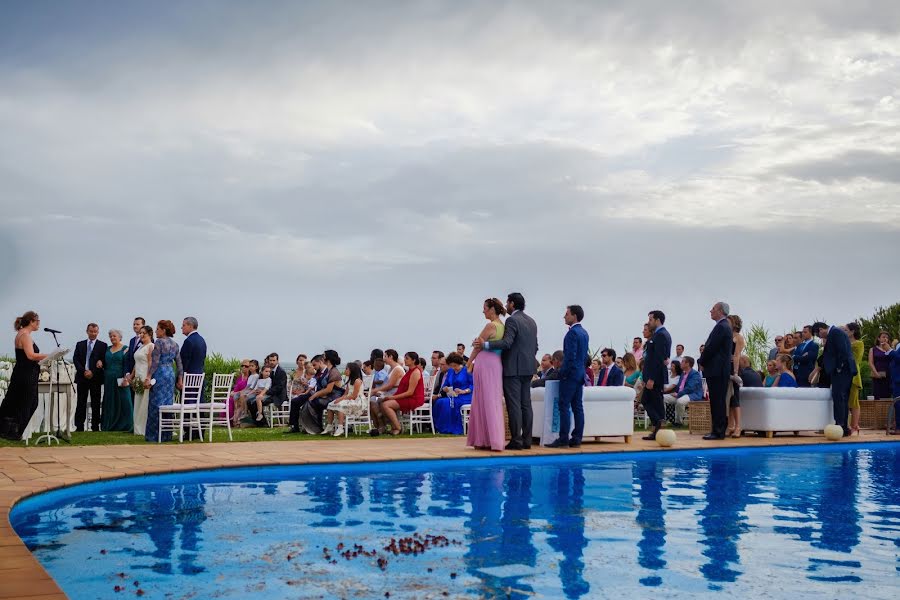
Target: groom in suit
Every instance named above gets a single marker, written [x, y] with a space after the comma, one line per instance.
[89, 377]
[838, 363]
[519, 347]
[717, 361]
[571, 379]
[656, 353]
[133, 346]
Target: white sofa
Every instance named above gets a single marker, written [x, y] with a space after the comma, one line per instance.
[608, 412]
[786, 409]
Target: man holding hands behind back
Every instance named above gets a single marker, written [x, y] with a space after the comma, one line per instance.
[571, 379]
[656, 353]
[838, 363]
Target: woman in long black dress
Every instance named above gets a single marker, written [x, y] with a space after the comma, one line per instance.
[22, 395]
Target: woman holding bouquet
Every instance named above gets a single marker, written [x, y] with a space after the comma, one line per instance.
[165, 353]
[139, 379]
[118, 413]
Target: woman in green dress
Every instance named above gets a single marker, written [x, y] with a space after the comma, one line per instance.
[118, 412]
[858, 349]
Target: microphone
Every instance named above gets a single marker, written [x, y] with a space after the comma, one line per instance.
[48, 330]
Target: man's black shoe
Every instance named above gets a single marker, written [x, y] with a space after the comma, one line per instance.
[712, 436]
[652, 436]
[291, 430]
[574, 444]
[514, 446]
[559, 444]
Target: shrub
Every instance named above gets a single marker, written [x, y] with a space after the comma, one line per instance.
[216, 363]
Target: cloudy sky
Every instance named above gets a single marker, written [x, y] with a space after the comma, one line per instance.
[359, 174]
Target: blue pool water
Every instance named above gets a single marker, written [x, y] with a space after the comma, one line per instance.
[784, 522]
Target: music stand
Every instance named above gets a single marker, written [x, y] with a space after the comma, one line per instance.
[55, 359]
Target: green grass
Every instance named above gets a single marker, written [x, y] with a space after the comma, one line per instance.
[252, 434]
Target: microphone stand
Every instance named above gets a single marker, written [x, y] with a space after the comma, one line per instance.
[65, 433]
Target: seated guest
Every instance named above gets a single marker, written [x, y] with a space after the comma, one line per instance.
[368, 369]
[381, 371]
[688, 389]
[771, 372]
[439, 375]
[259, 391]
[352, 402]
[588, 373]
[386, 389]
[457, 392]
[410, 393]
[785, 376]
[749, 377]
[240, 399]
[330, 389]
[422, 364]
[611, 374]
[596, 367]
[632, 374]
[275, 394]
[674, 376]
[298, 378]
[544, 367]
[620, 362]
[317, 364]
[553, 373]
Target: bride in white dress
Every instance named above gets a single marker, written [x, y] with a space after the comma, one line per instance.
[141, 367]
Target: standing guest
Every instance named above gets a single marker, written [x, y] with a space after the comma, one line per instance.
[734, 385]
[688, 389]
[118, 412]
[880, 366]
[631, 371]
[457, 392]
[410, 393]
[352, 402]
[519, 346]
[572, 379]
[461, 350]
[779, 341]
[679, 353]
[21, 398]
[139, 374]
[486, 431]
[785, 377]
[385, 390]
[749, 377]
[330, 389]
[88, 360]
[610, 373]
[858, 349]
[274, 394]
[552, 374]
[805, 355]
[772, 373]
[637, 348]
[657, 351]
[165, 352]
[894, 355]
[193, 350]
[838, 363]
[787, 344]
[716, 362]
[134, 345]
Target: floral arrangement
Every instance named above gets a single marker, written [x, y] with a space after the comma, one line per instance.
[137, 384]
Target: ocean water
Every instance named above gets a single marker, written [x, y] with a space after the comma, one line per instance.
[793, 522]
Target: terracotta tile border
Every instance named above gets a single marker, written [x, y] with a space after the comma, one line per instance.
[28, 471]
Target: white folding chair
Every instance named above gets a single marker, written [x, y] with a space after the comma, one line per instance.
[217, 411]
[172, 417]
[465, 411]
[281, 414]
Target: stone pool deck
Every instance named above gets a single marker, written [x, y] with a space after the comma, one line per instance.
[26, 471]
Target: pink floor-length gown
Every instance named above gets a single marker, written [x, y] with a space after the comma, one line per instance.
[486, 425]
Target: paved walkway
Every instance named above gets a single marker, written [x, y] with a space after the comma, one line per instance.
[25, 471]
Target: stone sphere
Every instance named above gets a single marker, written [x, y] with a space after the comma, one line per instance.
[834, 432]
[665, 437]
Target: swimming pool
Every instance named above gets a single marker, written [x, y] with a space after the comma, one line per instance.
[785, 522]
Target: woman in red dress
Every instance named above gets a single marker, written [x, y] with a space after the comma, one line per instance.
[410, 393]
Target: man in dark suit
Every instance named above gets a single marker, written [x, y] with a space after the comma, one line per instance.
[571, 379]
[716, 360]
[133, 345]
[277, 394]
[519, 346]
[552, 372]
[749, 377]
[610, 375]
[88, 359]
[656, 353]
[805, 356]
[193, 349]
[838, 363]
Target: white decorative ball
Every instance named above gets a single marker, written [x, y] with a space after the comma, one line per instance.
[834, 432]
[665, 437]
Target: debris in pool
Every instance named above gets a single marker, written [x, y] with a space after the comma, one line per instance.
[452, 575]
[118, 588]
[140, 592]
[121, 575]
[103, 551]
[136, 584]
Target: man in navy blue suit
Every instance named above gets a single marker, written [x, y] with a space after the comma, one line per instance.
[656, 353]
[805, 356]
[571, 379]
[610, 375]
[193, 349]
[838, 363]
[717, 361]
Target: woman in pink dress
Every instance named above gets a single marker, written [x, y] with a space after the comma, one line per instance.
[487, 429]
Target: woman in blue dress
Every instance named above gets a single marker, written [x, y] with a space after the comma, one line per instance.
[458, 390]
[165, 353]
[118, 410]
[785, 376]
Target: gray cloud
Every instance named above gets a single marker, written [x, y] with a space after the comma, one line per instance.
[880, 166]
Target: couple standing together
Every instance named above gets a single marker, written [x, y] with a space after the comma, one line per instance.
[503, 363]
